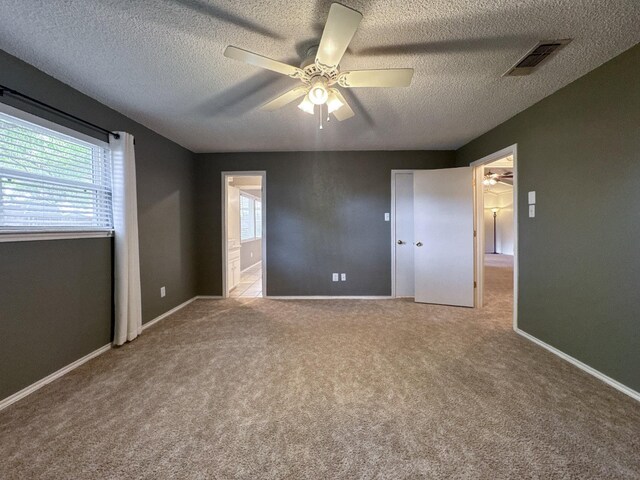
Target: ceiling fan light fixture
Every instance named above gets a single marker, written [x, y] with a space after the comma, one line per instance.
[307, 105]
[333, 102]
[319, 93]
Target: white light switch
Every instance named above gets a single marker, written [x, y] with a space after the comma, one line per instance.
[532, 211]
[343, 277]
[335, 277]
[532, 198]
[386, 217]
[163, 292]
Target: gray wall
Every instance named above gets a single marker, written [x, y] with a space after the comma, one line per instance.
[55, 306]
[81, 305]
[579, 267]
[250, 253]
[325, 213]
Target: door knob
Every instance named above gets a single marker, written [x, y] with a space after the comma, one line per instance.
[419, 244]
[400, 242]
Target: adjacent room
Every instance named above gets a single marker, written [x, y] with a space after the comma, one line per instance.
[245, 242]
[319, 240]
[495, 238]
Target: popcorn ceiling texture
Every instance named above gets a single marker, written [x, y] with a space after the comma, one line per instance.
[160, 62]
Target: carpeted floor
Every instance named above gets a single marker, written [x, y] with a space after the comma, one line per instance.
[315, 389]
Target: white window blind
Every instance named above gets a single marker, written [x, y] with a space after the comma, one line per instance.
[50, 181]
[257, 210]
[247, 218]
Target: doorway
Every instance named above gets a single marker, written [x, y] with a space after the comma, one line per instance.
[244, 239]
[495, 183]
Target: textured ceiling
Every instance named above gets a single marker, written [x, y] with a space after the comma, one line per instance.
[160, 62]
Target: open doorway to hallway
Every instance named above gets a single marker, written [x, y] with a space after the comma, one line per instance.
[496, 226]
[244, 238]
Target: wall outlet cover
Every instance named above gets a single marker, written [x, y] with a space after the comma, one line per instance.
[334, 277]
[386, 217]
[532, 198]
[163, 292]
[343, 277]
[532, 211]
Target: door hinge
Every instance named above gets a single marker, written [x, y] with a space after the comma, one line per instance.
[475, 234]
[475, 285]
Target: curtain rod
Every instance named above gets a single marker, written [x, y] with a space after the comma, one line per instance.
[15, 93]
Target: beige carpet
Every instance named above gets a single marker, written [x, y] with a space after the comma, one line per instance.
[326, 390]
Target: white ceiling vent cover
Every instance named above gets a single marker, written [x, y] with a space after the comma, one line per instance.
[535, 57]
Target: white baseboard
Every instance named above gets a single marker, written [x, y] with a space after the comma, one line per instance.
[329, 297]
[50, 378]
[55, 375]
[166, 314]
[208, 297]
[582, 366]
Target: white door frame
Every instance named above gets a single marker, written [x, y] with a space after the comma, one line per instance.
[225, 200]
[393, 228]
[479, 225]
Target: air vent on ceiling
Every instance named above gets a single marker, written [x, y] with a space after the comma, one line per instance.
[534, 57]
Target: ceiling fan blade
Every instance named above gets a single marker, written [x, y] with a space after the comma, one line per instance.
[285, 98]
[340, 28]
[392, 77]
[344, 112]
[262, 62]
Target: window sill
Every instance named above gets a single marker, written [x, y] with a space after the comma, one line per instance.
[17, 236]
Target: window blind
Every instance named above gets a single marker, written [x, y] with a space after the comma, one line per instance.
[258, 214]
[247, 219]
[50, 181]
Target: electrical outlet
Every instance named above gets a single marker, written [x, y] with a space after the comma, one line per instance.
[163, 292]
[532, 211]
[386, 217]
[343, 277]
[335, 277]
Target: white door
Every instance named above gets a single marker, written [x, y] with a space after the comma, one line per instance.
[443, 233]
[404, 234]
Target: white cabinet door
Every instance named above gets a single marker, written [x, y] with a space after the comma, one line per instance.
[233, 268]
[443, 233]
[236, 272]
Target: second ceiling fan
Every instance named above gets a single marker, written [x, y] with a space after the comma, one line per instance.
[320, 72]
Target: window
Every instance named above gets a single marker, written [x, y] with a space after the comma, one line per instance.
[52, 181]
[257, 209]
[250, 218]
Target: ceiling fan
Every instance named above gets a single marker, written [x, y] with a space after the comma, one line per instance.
[320, 72]
[491, 178]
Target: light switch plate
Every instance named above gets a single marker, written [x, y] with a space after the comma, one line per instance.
[386, 217]
[532, 211]
[163, 292]
[532, 198]
[335, 277]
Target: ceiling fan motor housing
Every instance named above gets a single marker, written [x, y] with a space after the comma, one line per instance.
[310, 57]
